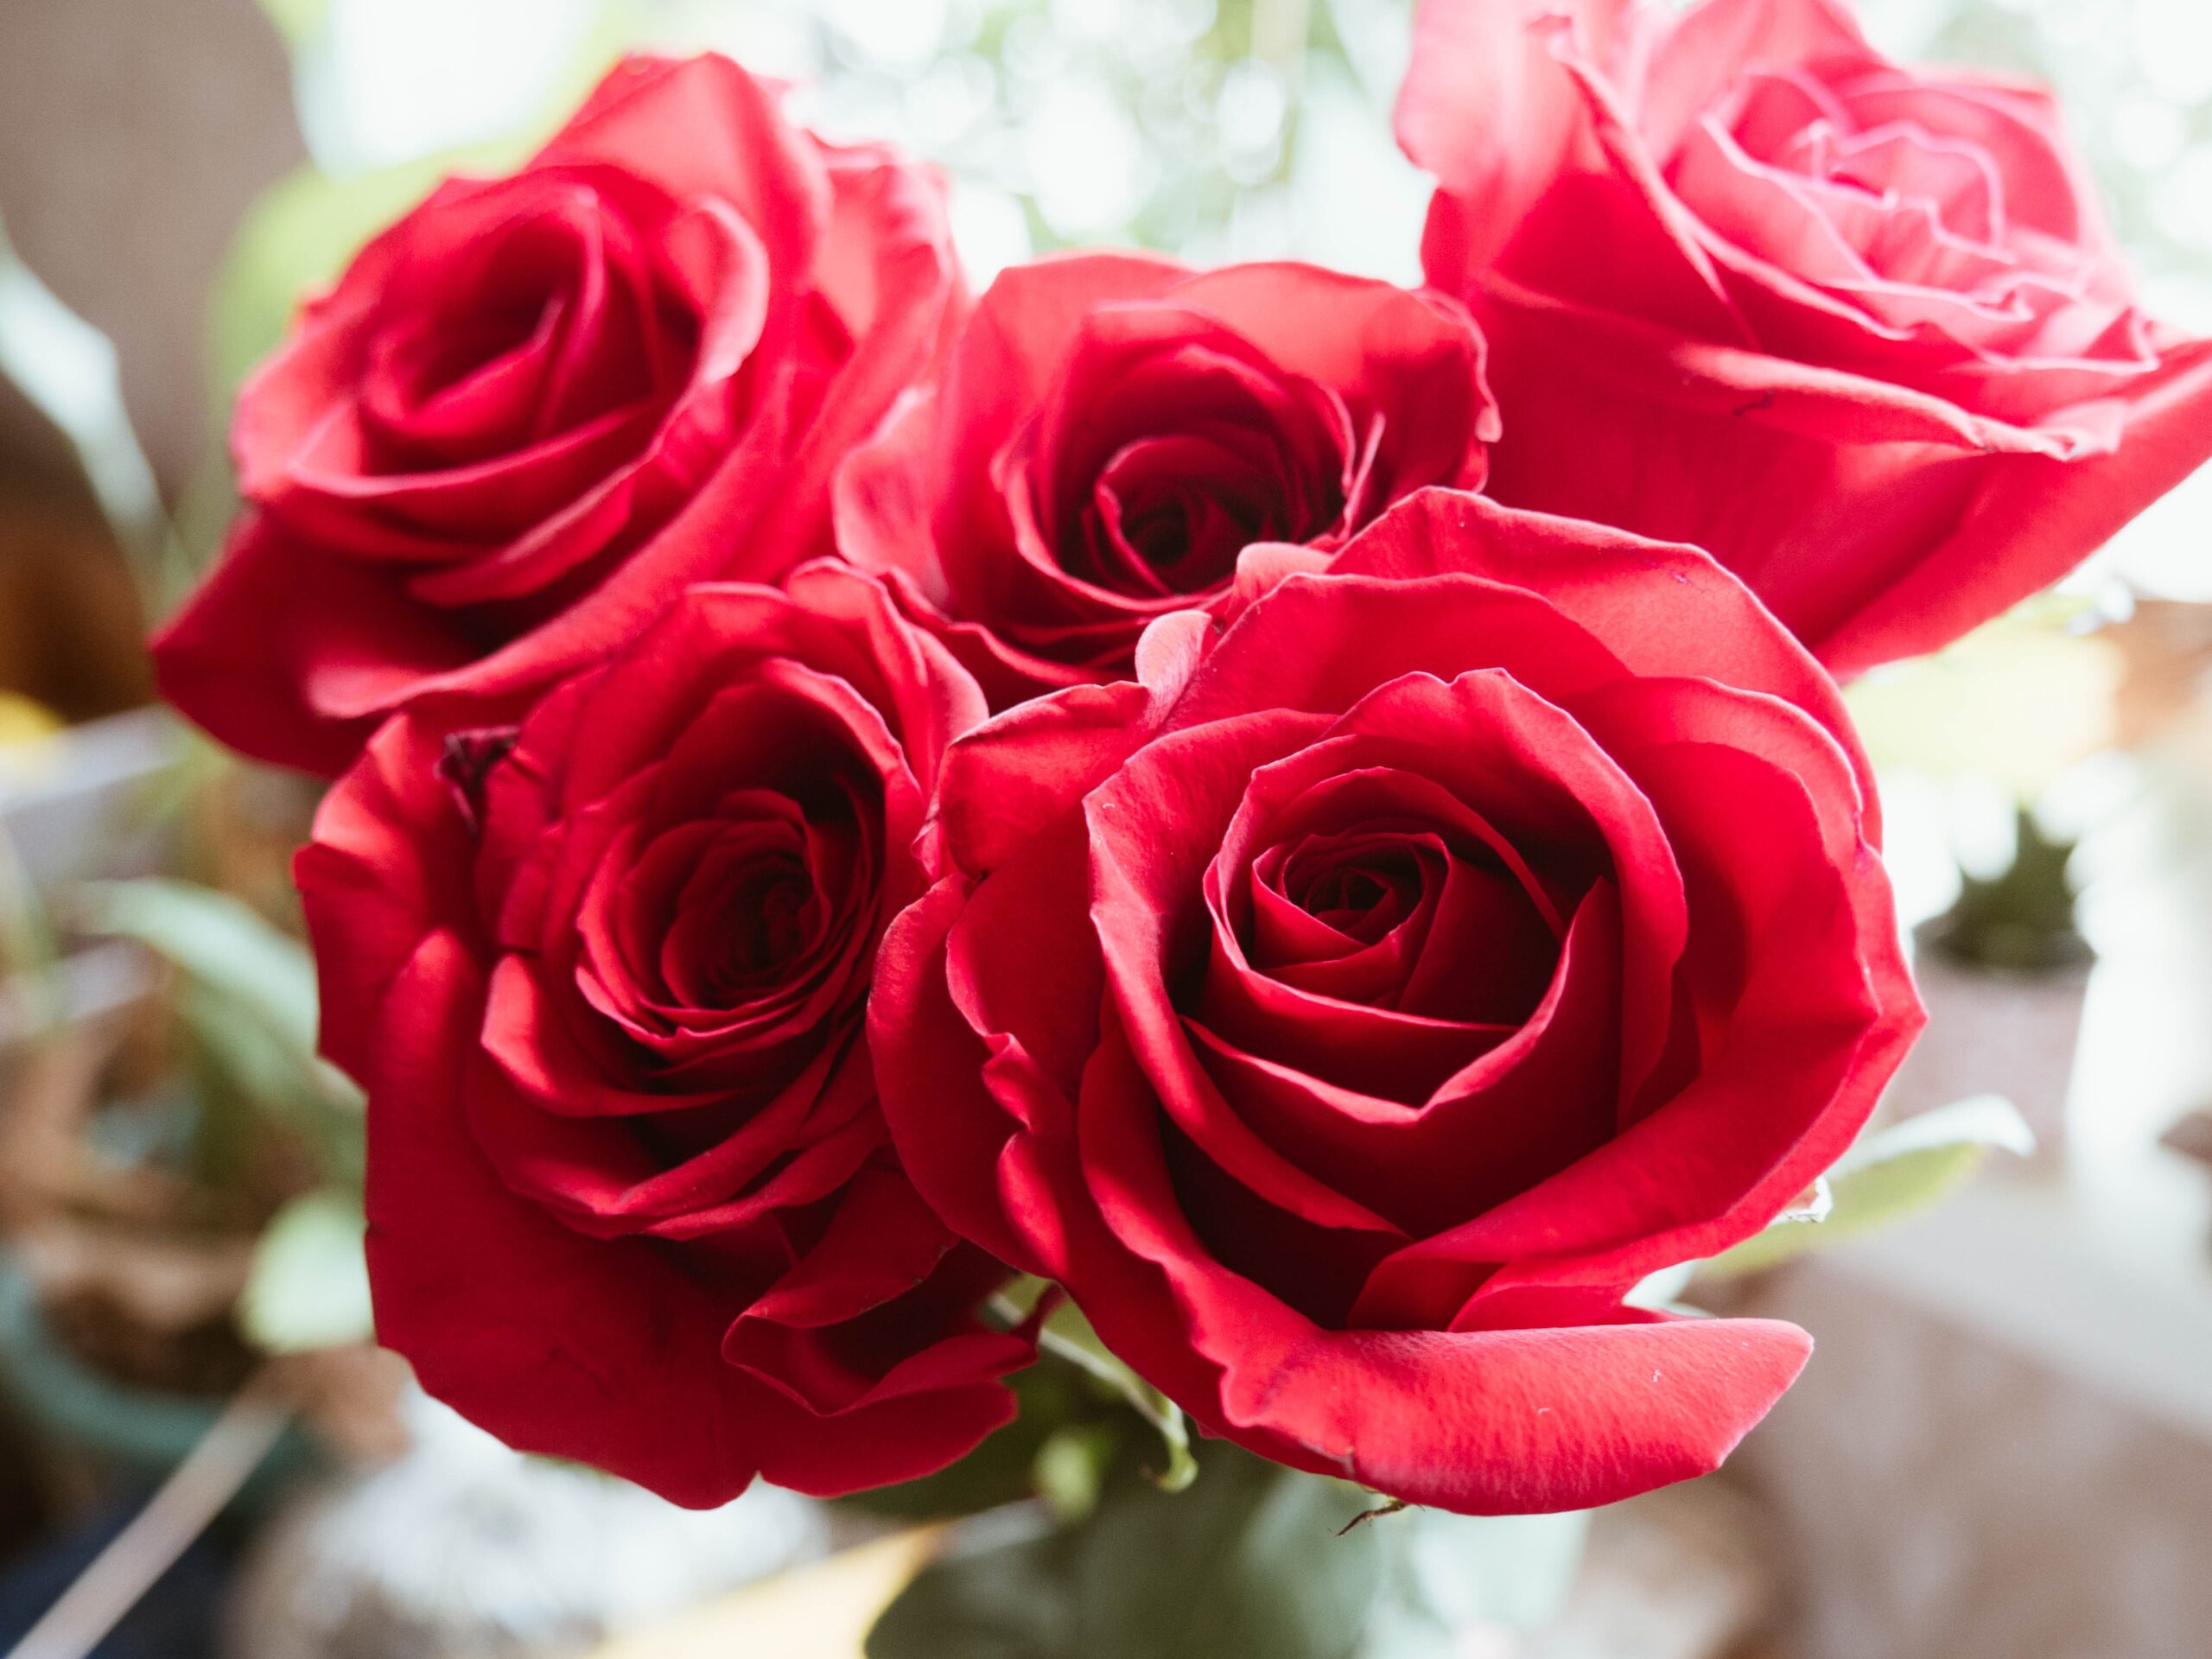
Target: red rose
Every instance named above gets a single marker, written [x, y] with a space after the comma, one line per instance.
[1350, 1013]
[1857, 329]
[537, 408]
[631, 1198]
[1114, 430]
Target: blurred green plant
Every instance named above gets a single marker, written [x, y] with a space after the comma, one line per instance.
[244, 1000]
[28, 948]
[1067, 1333]
[1890, 1176]
[2021, 920]
[1061, 1407]
[1255, 1562]
[248, 1003]
[309, 1288]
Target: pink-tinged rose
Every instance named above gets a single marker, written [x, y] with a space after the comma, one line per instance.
[1857, 328]
[1349, 1012]
[604, 976]
[537, 407]
[1114, 430]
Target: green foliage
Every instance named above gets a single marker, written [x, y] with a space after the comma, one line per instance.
[309, 1284]
[27, 949]
[220, 942]
[1008, 1601]
[1253, 1559]
[249, 1002]
[1067, 1333]
[1071, 1468]
[1078, 1434]
[2022, 921]
[1253, 1563]
[1891, 1175]
[1053, 1398]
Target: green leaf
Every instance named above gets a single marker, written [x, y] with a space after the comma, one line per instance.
[1067, 1333]
[1888, 1176]
[259, 1064]
[314, 1098]
[1009, 1602]
[1070, 1470]
[1252, 1562]
[1003, 1469]
[309, 1284]
[219, 942]
[251, 1006]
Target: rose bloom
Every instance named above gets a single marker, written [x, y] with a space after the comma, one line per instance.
[1857, 329]
[1350, 1013]
[1114, 429]
[533, 411]
[631, 1198]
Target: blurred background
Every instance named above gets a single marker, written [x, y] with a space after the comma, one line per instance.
[2004, 1450]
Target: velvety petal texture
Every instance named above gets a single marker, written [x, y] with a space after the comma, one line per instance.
[537, 408]
[1352, 1011]
[1114, 430]
[604, 973]
[1857, 328]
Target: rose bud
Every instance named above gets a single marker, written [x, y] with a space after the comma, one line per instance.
[532, 411]
[1857, 329]
[1350, 1013]
[1114, 429]
[603, 976]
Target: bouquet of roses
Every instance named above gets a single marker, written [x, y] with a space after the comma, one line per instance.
[1298, 830]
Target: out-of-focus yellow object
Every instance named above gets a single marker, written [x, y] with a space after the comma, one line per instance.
[821, 1611]
[25, 720]
[27, 728]
[2019, 700]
